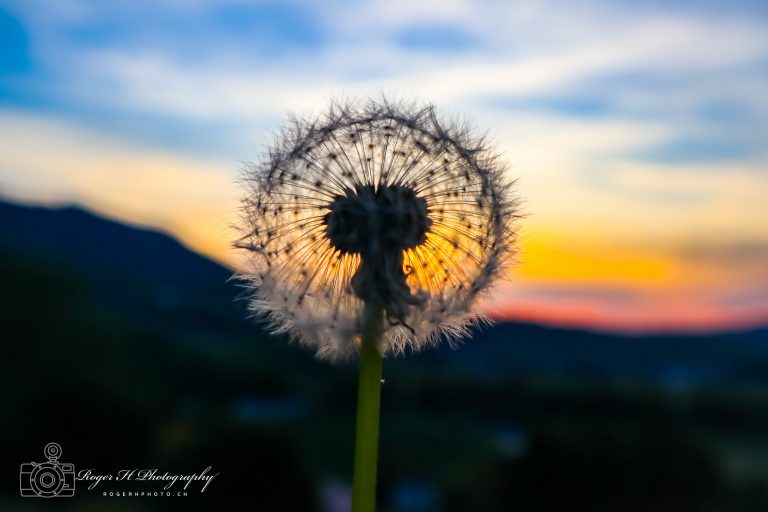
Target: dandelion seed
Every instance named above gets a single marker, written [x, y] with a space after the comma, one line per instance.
[385, 203]
[390, 227]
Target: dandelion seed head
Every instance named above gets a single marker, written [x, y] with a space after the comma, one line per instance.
[381, 202]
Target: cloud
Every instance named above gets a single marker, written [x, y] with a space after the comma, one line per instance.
[732, 253]
[528, 49]
[551, 292]
[153, 81]
[627, 309]
[633, 127]
[57, 161]
[250, 62]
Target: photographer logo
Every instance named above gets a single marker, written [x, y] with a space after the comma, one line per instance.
[47, 479]
[53, 479]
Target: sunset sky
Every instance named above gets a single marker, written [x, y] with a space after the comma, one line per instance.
[638, 131]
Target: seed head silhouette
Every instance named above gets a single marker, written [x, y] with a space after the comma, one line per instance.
[379, 203]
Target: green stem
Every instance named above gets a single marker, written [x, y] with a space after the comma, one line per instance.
[368, 404]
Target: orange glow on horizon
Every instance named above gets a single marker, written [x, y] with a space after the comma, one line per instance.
[666, 291]
[697, 265]
[647, 319]
[547, 257]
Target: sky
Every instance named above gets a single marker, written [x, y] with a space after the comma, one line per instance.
[636, 131]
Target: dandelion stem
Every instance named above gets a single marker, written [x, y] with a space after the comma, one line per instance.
[368, 404]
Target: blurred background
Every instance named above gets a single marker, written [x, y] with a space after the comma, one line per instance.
[628, 368]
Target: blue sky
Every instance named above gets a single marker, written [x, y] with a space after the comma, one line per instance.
[636, 129]
[144, 68]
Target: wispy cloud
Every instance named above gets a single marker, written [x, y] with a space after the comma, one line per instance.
[634, 127]
[57, 162]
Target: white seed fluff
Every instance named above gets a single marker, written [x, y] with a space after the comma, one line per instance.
[300, 280]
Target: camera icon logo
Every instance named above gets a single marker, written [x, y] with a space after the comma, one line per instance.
[47, 479]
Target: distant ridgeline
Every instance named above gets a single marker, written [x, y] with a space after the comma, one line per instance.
[116, 336]
[113, 256]
[153, 280]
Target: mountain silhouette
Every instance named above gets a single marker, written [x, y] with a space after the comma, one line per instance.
[154, 279]
[138, 269]
[131, 350]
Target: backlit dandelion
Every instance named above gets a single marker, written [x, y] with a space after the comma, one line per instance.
[381, 202]
[374, 230]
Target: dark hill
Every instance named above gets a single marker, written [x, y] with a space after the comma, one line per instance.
[156, 280]
[138, 269]
[106, 249]
[130, 350]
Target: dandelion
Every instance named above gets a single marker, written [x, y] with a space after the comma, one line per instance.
[380, 203]
[373, 230]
